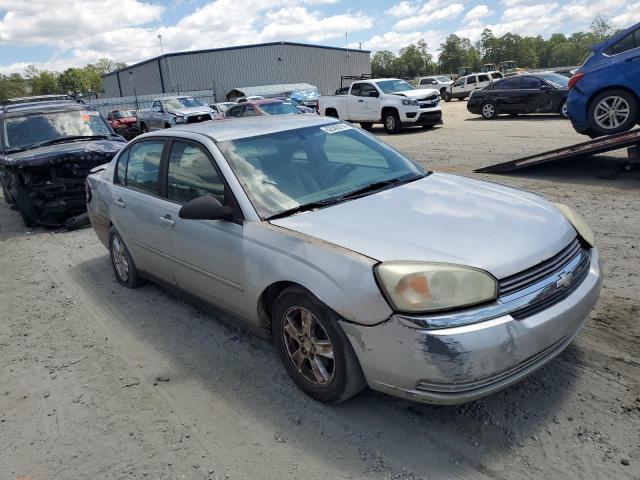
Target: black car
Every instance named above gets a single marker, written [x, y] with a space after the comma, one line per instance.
[532, 93]
[48, 145]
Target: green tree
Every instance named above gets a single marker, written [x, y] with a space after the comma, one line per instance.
[70, 81]
[383, 64]
[44, 83]
[601, 27]
[12, 86]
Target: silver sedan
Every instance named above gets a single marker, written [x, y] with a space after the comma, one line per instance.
[363, 267]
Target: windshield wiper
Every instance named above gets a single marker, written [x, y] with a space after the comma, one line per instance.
[69, 138]
[376, 186]
[306, 207]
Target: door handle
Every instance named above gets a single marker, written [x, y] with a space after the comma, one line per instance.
[119, 202]
[167, 220]
[360, 101]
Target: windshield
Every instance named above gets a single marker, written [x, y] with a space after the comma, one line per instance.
[443, 79]
[555, 79]
[279, 109]
[285, 170]
[182, 102]
[393, 86]
[23, 131]
[124, 114]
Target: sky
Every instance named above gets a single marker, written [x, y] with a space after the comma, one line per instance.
[57, 34]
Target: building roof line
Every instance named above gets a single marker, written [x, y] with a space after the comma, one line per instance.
[238, 47]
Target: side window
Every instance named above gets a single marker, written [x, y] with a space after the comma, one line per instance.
[121, 168]
[156, 106]
[110, 116]
[355, 89]
[235, 111]
[508, 84]
[483, 78]
[424, 81]
[191, 174]
[623, 45]
[368, 90]
[530, 83]
[459, 83]
[471, 80]
[144, 164]
[249, 111]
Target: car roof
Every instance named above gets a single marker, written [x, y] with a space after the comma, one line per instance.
[244, 127]
[264, 101]
[43, 107]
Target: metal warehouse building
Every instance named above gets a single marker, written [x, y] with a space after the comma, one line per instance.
[223, 69]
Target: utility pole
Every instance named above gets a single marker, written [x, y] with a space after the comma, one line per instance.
[133, 80]
[161, 50]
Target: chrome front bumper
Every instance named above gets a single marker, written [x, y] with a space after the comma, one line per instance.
[466, 362]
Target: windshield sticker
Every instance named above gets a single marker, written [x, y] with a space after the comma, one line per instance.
[94, 113]
[336, 127]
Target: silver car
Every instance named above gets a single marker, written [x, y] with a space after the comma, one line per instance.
[363, 267]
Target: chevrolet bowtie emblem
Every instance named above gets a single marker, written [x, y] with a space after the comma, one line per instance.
[564, 280]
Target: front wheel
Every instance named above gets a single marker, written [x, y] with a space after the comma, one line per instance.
[613, 111]
[314, 348]
[392, 122]
[447, 96]
[488, 110]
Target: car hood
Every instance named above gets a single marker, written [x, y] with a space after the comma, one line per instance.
[192, 111]
[444, 218]
[418, 93]
[91, 151]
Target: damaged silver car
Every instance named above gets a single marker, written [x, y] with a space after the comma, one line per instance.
[363, 267]
[48, 146]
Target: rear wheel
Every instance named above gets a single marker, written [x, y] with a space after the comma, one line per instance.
[613, 111]
[391, 121]
[123, 266]
[314, 348]
[488, 110]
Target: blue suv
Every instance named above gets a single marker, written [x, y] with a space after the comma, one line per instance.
[605, 91]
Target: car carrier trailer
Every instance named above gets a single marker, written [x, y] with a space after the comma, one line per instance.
[630, 140]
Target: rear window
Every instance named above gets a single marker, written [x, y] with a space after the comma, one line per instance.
[483, 78]
[625, 44]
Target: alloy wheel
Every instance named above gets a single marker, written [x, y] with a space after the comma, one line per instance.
[611, 112]
[308, 346]
[120, 258]
[565, 110]
[488, 110]
[390, 122]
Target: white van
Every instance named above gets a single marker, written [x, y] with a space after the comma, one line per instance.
[463, 87]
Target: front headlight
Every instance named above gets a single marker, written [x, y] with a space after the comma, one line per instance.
[180, 119]
[431, 287]
[408, 101]
[578, 222]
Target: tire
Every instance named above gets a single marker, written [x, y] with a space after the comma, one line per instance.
[333, 380]
[27, 219]
[391, 121]
[563, 110]
[447, 96]
[443, 91]
[366, 126]
[123, 266]
[7, 196]
[613, 111]
[144, 128]
[488, 110]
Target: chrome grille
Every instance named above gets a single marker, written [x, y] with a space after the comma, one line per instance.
[541, 271]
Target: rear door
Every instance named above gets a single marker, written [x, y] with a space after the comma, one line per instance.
[134, 210]
[206, 255]
[538, 95]
[627, 56]
[470, 85]
[508, 95]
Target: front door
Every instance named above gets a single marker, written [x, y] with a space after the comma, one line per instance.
[356, 103]
[207, 255]
[457, 89]
[134, 208]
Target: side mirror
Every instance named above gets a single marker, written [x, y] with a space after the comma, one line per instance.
[206, 207]
[545, 88]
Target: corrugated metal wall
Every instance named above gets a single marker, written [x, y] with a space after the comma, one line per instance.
[223, 70]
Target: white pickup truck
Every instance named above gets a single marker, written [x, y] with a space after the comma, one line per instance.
[167, 112]
[390, 101]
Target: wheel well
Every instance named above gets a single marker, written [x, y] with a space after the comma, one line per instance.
[330, 112]
[166, 125]
[614, 87]
[142, 124]
[268, 298]
[386, 110]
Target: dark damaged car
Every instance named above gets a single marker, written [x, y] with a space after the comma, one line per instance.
[48, 146]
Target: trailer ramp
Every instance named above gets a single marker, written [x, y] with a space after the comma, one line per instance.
[599, 145]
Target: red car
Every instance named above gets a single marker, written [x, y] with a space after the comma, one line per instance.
[268, 106]
[124, 122]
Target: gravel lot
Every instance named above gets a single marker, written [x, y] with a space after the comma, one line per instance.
[102, 382]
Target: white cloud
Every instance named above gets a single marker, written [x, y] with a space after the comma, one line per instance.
[430, 16]
[627, 18]
[402, 9]
[477, 12]
[394, 41]
[128, 33]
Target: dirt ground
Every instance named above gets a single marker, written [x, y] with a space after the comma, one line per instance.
[101, 382]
